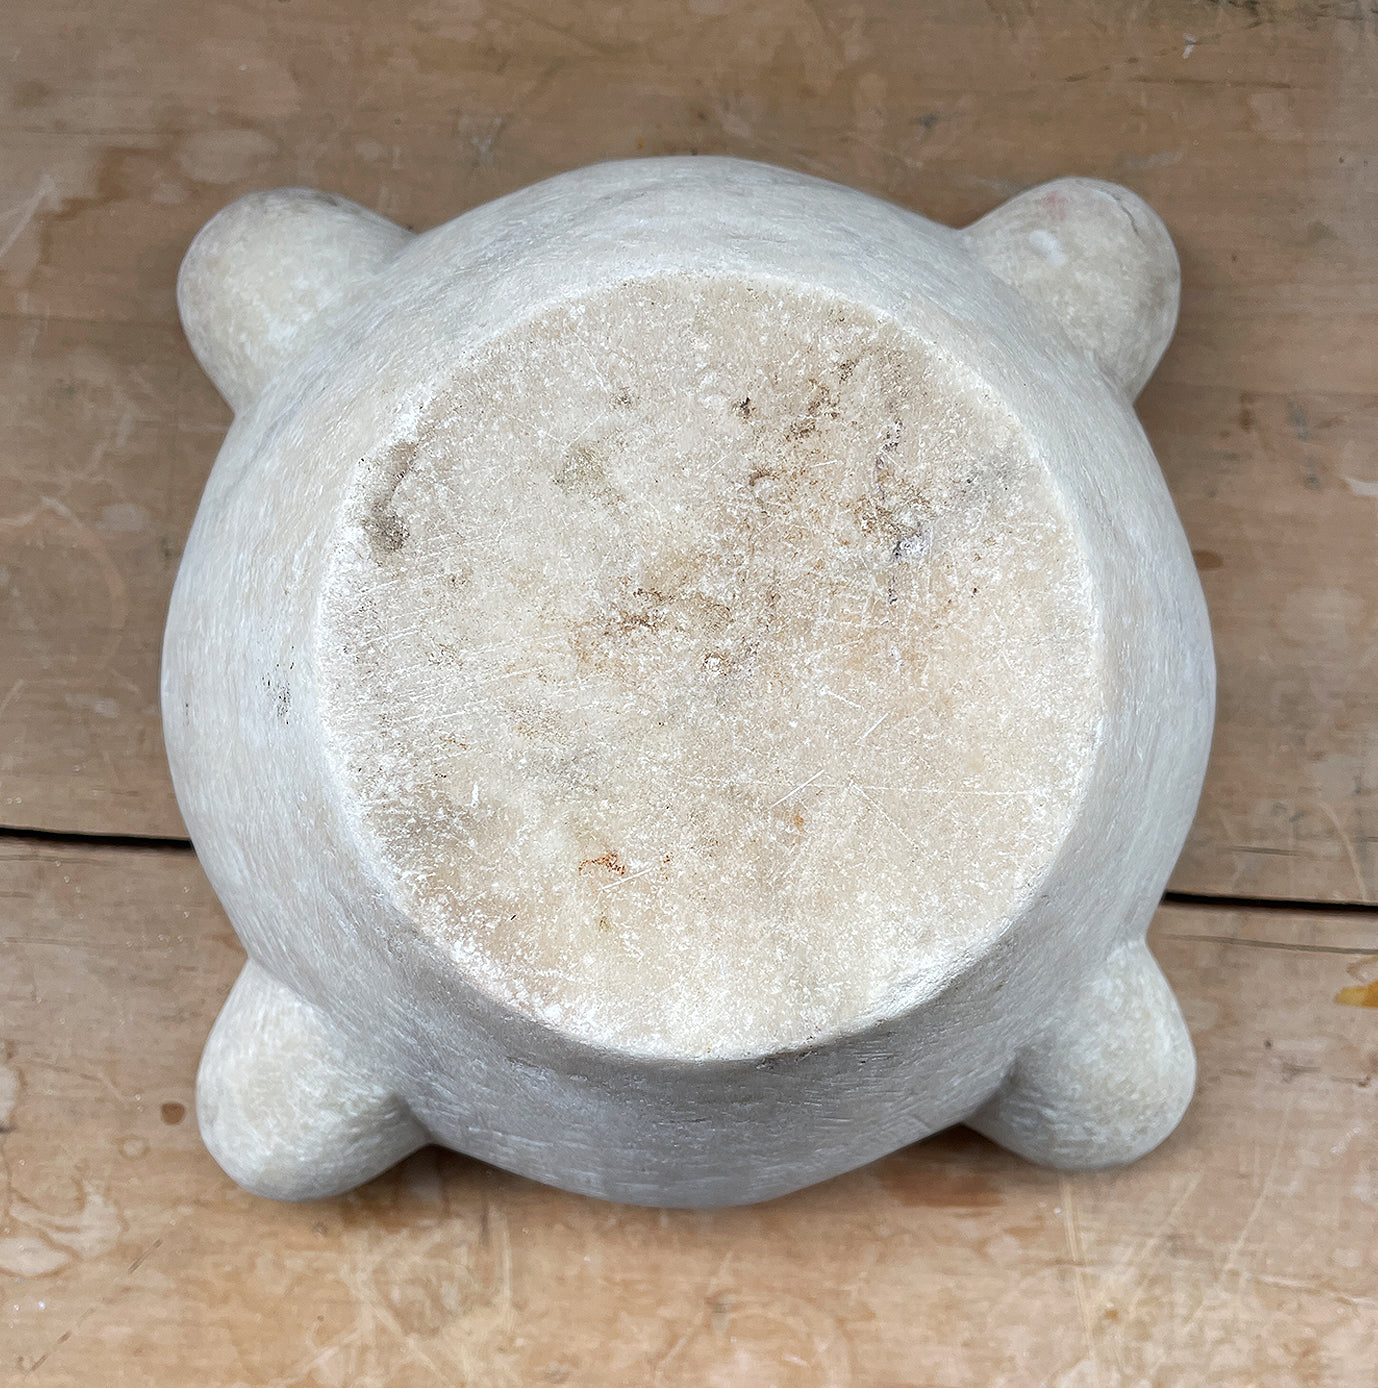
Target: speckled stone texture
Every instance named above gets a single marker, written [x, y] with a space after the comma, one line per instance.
[686, 679]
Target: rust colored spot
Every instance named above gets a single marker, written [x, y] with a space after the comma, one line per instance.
[1359, 995]
[173, 1112]
[1207, 559]
[610, 860]
[917, 1182]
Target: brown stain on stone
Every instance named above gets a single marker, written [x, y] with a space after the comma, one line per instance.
[647, 610]
[1207, 559]
[701, 613]
[610, 860]
[582, 470]
[1359, 995]
[824, 404]
[386, 529]
[172, 1112]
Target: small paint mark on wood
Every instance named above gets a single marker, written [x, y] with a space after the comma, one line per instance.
[1358, 995]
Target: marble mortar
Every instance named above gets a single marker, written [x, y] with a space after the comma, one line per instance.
[685, 679]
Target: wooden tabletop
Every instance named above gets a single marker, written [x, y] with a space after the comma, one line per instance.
[1243, 1252]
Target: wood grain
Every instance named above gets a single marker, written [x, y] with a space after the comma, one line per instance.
[1243, 1253]
[1251, 127]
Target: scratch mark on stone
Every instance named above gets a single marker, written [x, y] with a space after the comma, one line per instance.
[874, 726]
[803, 785]
[630, 877]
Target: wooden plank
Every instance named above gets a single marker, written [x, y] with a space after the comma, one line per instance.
[1251, 127]
[109, 430]
[1274, 489]
[1243, 1252]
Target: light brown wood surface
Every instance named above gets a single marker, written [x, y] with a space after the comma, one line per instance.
[1252, 127]
[1242, 1254]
